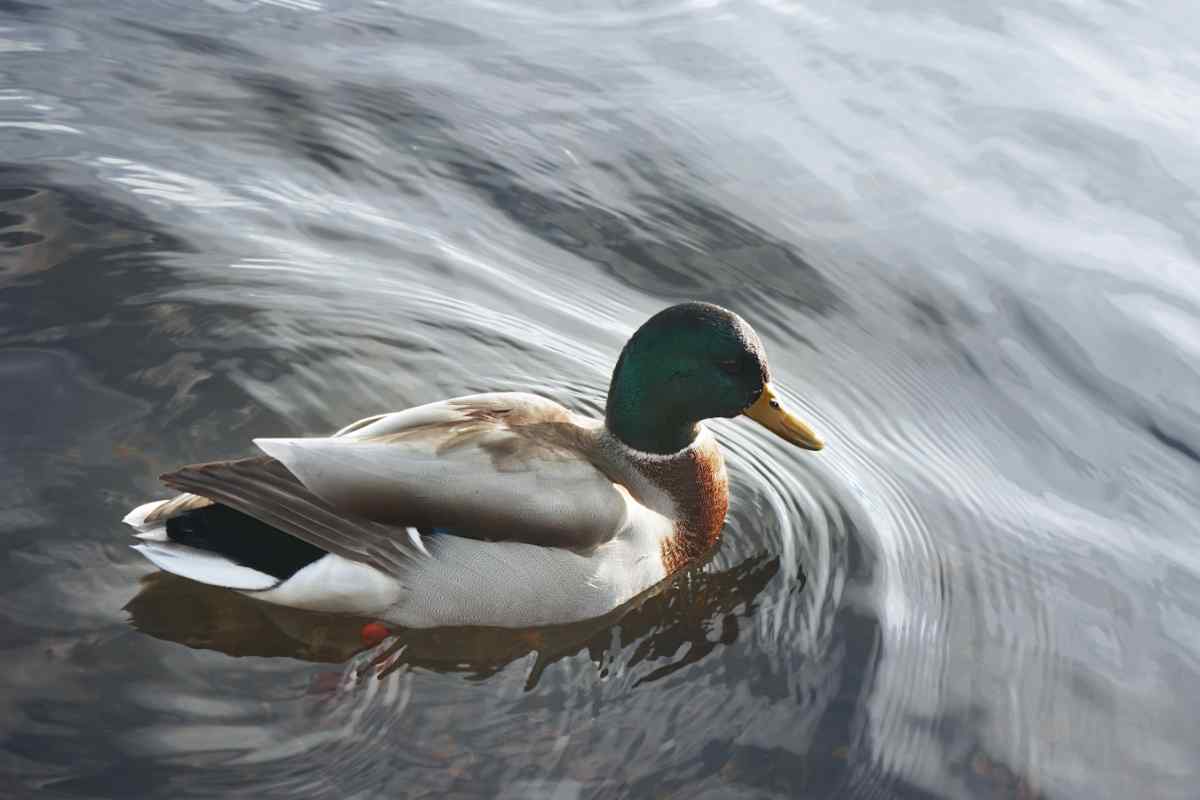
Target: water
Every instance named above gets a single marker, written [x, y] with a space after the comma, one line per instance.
[966, 234]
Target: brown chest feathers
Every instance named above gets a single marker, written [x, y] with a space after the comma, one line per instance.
[699, 489]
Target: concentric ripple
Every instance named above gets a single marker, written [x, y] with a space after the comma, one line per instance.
[965, 232]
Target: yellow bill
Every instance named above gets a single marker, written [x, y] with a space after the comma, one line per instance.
[768, 412]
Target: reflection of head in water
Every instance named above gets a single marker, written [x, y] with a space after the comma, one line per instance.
[696, 608]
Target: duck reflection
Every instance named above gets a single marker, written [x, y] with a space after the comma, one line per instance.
[678, 622]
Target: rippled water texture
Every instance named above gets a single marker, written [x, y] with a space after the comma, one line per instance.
[967, 234]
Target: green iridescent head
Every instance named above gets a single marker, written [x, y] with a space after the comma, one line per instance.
[690, 362]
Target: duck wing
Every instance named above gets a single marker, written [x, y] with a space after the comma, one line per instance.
[502, 466]
[266, 490]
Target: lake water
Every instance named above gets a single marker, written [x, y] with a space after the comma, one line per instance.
[967, 234]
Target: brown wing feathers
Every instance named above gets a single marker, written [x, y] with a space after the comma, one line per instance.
[263, 488]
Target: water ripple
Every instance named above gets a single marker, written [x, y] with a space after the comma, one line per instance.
[966, 235]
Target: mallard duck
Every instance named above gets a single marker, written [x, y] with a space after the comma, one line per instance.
[502, 509]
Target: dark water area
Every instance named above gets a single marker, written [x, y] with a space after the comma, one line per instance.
[967, 235]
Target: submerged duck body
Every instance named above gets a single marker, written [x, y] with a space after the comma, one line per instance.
[502, 509]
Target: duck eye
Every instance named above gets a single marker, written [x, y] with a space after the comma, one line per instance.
[729, 367]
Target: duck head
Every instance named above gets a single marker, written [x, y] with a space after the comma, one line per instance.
[691, 362]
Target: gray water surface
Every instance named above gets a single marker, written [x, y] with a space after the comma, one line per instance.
[967, 234]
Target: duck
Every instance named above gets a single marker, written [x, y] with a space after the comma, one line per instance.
[503, 509]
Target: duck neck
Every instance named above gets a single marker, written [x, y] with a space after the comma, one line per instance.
[642, 416]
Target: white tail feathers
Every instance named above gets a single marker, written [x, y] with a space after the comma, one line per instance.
[152, 532]
[137, 518]
[205, 567]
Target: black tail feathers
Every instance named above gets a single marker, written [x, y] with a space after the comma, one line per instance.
[242, 539]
